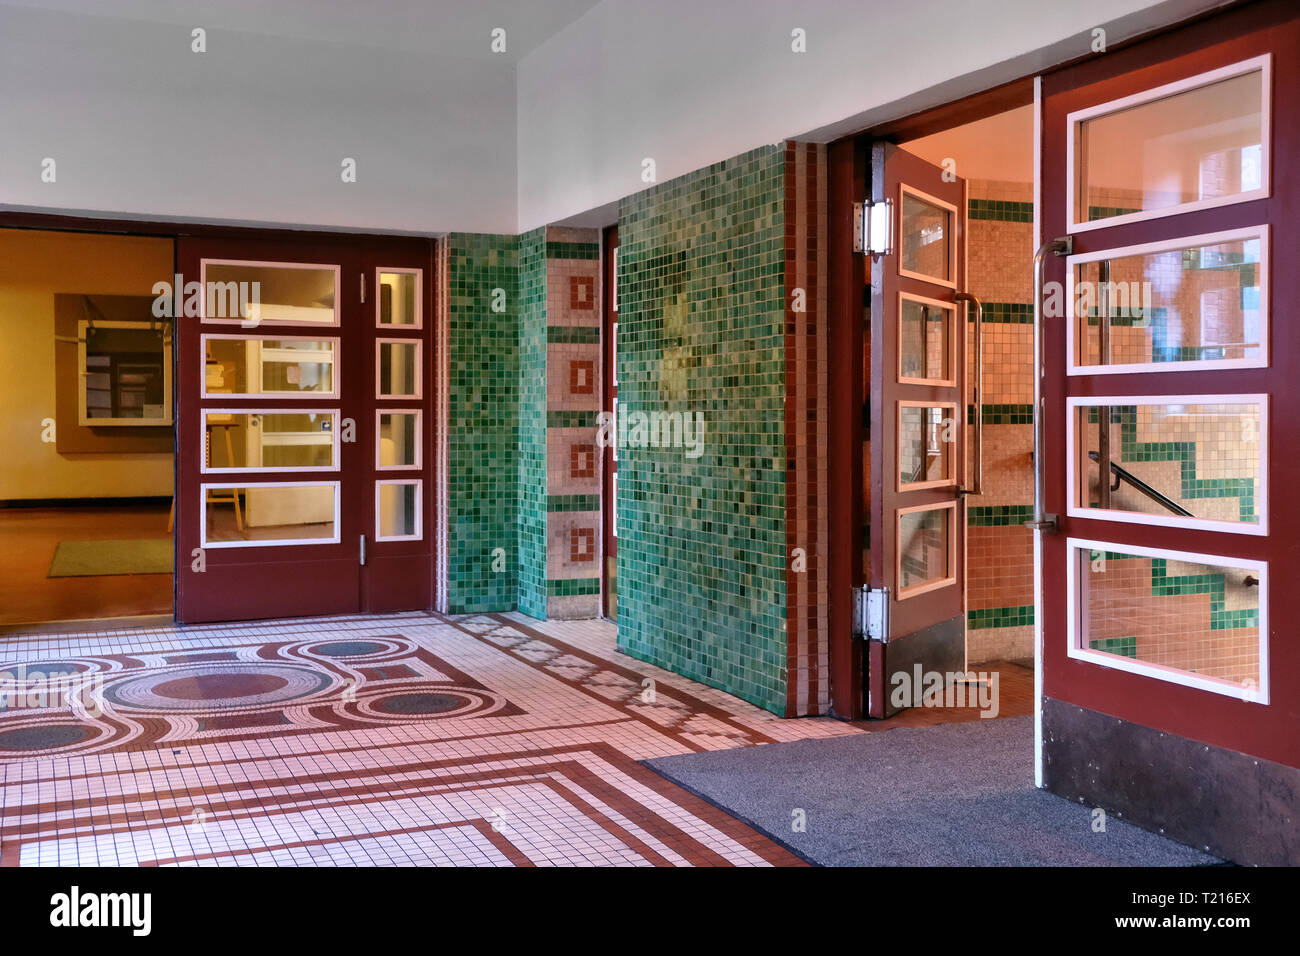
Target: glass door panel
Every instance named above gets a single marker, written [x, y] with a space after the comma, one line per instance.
[915, 454]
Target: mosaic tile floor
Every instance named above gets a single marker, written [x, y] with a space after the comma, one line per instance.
[407, 739]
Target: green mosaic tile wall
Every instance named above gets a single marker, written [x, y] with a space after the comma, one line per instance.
[483, 417]
[1000, 210]
[1000, 617]
[998, 516]
[531, 516]
[701, 323]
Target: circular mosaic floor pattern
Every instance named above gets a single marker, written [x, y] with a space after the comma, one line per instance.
[47, 737]
[203, 688]
[418, 704]
[349, 648]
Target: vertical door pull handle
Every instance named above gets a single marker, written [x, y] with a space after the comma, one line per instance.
[1042, 521]
[977, 451]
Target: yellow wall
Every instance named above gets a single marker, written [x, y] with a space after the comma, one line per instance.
[33, 267]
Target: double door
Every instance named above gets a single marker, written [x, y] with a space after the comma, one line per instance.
[304, 421]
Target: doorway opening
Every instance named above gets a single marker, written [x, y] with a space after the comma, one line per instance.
[87, 384]
[994, 157]
[947, 420]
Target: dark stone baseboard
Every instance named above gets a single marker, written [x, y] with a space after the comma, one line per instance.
[1235, 806]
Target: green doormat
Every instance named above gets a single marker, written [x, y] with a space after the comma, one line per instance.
[79, 559]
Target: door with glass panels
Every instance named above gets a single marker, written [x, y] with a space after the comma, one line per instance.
[1171, 362]
[918, 472]
[302, 427]
[397, 572]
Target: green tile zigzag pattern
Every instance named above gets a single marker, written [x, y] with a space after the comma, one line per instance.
[483, 407]
[701, 564]
[1132, 450]
[1123, 646]
[1214, 584]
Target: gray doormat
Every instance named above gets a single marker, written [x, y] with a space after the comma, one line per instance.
[948, 795]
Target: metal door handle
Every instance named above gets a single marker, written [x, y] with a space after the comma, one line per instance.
[1042, 521]
[977, 451]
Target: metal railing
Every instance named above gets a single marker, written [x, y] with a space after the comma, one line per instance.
[1123, 475]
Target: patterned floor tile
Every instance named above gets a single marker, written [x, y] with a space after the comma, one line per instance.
[395, 740]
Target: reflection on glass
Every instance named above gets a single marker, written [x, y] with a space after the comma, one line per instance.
[247, 366]
[398, 369]
[398, 302]
[399, 504]
[923, 341]
[270, 439]
[266, 294]
[267, 515]
[398, 439]
[927, 235]
[1197, 618]
[1193, 304]
[1188, 461]
[925, 440]
[1202, 144]
[125, 373]
[923, 547]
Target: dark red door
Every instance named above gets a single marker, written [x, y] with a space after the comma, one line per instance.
[1171, 403]
[303, 427]
[918, 426]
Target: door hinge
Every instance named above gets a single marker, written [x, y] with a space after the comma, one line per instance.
[871, 614]
[873, 225]
[363, 288]
[363, 550]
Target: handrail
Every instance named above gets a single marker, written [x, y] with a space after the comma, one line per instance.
[1042, 521]
[1123, 474]
[977, 452]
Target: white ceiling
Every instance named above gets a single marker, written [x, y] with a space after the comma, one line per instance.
[459, 28]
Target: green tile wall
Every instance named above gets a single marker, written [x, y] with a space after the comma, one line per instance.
[531, 515]
[995, 516]
[573, 334]
[561, 418]
[1000, 210]
[1000, 617]
[572, 250]
[483, 410]
[701, 323]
